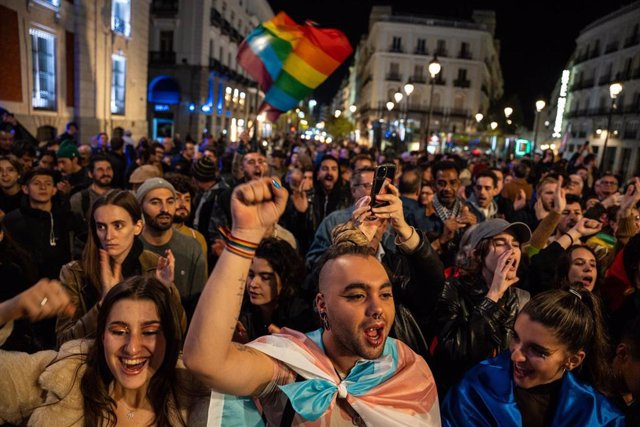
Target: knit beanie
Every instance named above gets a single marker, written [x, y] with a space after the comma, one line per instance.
[152, 184]
[205, 170]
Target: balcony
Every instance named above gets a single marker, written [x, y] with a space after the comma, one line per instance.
[632, 41]
[464, 55]
[611, 47]
[164, 8]
[423, 52]
[215, 18]
[459, 112]
[394, 77]
[396, 49]
[462, 83]
[442, 52]
[418, 79]
[440, 81]
[604, 80]
[162, 57]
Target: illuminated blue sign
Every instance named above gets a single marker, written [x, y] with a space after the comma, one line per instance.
[161, 107]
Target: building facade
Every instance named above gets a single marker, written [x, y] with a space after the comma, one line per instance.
[398, 49]
[607, 51]
[82, 60]
[195, 84]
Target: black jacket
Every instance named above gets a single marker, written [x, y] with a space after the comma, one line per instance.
[32, 229]
[471, 327]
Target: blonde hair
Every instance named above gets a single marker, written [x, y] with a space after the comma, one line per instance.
[348, 233]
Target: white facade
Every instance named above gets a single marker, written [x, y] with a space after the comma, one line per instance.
[66, 56]
[398, 49]
[607, 50]
[193, 47]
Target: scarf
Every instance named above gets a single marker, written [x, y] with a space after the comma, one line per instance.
[397, 389]
[444, 213]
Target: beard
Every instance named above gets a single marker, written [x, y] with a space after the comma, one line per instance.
[158, 222]
[181, 216]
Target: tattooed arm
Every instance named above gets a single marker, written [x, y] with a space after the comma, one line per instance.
[208, 351]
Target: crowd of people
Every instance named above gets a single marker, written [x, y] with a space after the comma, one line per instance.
[182, 282]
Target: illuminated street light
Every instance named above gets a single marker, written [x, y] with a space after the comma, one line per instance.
[398, 96]
[390, 105]
[434, 69]
[493, 125]
[353, 109]
[614, 90]
[337, 113]
[540, 104]
[508, 111]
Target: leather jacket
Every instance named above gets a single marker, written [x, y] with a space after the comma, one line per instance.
[472, 327]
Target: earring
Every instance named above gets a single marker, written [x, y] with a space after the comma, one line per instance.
[325, 321]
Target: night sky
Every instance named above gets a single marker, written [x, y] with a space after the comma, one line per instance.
[537, 37]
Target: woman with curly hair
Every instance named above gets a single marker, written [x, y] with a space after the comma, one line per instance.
[272, 298]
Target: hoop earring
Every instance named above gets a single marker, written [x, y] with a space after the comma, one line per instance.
[325, 321]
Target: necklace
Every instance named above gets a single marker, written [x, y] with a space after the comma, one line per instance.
[130, 412]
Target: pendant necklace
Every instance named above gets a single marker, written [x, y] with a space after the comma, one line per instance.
[130, 412]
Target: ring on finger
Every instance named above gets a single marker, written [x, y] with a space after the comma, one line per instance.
[44, 301]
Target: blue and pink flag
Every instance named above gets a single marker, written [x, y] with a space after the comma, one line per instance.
[289, 60]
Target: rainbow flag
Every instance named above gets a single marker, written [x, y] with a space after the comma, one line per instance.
[289, 60]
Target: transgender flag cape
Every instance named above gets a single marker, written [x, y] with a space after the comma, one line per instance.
[396, 389]
[289, 60]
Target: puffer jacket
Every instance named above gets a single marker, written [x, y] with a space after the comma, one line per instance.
[470, 327]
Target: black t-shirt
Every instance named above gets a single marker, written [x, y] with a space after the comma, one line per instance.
[538, 404]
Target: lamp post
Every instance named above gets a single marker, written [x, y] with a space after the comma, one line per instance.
[390, 106]
[540, 104]
[615, 89]
[433, 68]
[408, 90]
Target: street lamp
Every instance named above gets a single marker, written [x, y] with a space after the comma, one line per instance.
[507, 112]
[408, 90]
[614, 90]
[493, 125]
[479, 117]
[540, 104]
[433, 68]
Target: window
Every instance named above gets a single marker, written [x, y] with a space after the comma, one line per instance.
[421, 46]
[54, 4]
[43, 56]
[121, 17]
[462, 74]
[118, 78]
[396, 46]
[441, 50]
[166, 41]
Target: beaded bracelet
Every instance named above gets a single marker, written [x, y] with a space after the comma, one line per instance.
[238, 246]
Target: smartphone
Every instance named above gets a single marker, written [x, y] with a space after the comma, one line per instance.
[384, 172]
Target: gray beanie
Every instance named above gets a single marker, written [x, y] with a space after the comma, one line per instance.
[152, 184]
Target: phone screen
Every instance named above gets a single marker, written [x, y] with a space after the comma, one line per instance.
[383, 173]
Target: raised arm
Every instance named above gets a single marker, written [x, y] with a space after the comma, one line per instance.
[208, 351]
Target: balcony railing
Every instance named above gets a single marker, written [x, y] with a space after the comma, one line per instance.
[396, 49]
[418, 79]
[394, 77]
[632, 40]
[606, 79]
[162, 57]
[465, 55]
[440, 81]
[164, 8]
[424, 52]
[462, 83]
[442, 52]
[611, 47]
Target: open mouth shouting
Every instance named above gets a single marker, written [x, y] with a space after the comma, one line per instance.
[374, 334]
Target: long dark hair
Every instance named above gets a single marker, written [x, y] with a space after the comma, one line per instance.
[91, 255]
[285, 262]
[576, 319]
[163, 387]
[564, 265]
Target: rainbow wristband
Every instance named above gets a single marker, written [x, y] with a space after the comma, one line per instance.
[237, 246]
